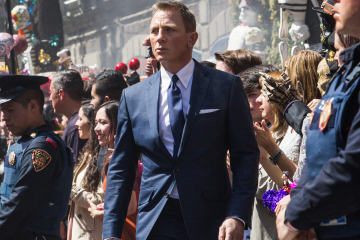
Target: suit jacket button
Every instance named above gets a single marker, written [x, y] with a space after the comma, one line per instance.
[79, 216]
[167, 195]
[177, 169]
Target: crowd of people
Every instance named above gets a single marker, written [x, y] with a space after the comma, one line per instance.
[191, 151]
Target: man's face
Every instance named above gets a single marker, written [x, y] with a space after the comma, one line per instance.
[55, 99]
[347, 17]
[95, 99]
[169, 40]
[16, 117]
[254, 106]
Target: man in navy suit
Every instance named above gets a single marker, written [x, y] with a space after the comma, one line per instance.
[183, 120]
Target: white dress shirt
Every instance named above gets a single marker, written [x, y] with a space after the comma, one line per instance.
[185, 82]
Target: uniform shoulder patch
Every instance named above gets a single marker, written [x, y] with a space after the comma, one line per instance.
[40, 159]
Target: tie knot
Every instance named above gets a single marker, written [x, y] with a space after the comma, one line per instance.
[174, 79]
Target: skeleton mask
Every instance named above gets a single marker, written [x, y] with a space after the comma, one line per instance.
[20, 17]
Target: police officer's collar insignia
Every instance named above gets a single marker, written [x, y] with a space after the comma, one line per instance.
[40, 159]
[325, 115]
[12, 158]
[33, 135]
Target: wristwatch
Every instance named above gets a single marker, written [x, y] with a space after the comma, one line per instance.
[273, 159]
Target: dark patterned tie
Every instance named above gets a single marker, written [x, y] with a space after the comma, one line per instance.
[177, 120]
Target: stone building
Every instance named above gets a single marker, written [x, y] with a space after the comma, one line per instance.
[105, 32]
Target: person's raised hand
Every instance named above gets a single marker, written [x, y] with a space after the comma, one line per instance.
[313, 104]
[263, 135]
[150, 66]
[231, 229]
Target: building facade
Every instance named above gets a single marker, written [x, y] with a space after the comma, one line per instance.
[107, 32]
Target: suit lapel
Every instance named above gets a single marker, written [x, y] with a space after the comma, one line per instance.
[152, 98]
[200, 84]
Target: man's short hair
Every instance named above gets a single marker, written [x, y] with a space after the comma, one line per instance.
[250, 77]
[30, 94]
[109, 83]
[239, 60]
[70, 81]
[187, 15]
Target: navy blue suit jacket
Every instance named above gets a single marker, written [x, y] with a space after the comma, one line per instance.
[200, 170]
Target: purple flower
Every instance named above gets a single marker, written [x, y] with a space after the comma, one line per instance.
[272, 197]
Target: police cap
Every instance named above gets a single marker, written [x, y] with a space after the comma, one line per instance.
[327, 8]
[12, 86]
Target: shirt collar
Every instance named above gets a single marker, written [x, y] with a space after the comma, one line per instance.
[185, 75]
[351, 54]
[34, 132]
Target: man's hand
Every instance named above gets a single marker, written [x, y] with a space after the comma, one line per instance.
[231, 229]
[62, 230]
[307, 235]
[283, 232]
[282, 204]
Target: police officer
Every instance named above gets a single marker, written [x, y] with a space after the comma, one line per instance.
[327, 197]
[38, 166]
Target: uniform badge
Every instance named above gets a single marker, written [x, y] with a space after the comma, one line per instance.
[325, 115]
[12, 158]
[33, 135]
[40, 159]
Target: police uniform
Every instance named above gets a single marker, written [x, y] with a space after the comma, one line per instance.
[38, 172]
[327, 196]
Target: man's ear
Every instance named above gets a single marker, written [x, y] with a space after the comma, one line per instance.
[192, 39]
[61, 94]
[34, 106]
[107, 99]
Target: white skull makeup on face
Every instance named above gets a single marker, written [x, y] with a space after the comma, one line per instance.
[20, 17]
[248, 12]
[248, 16]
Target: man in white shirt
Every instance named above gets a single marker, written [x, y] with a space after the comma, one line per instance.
[183, 120]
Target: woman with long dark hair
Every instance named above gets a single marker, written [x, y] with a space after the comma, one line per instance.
[105, 128]
[86, 182]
